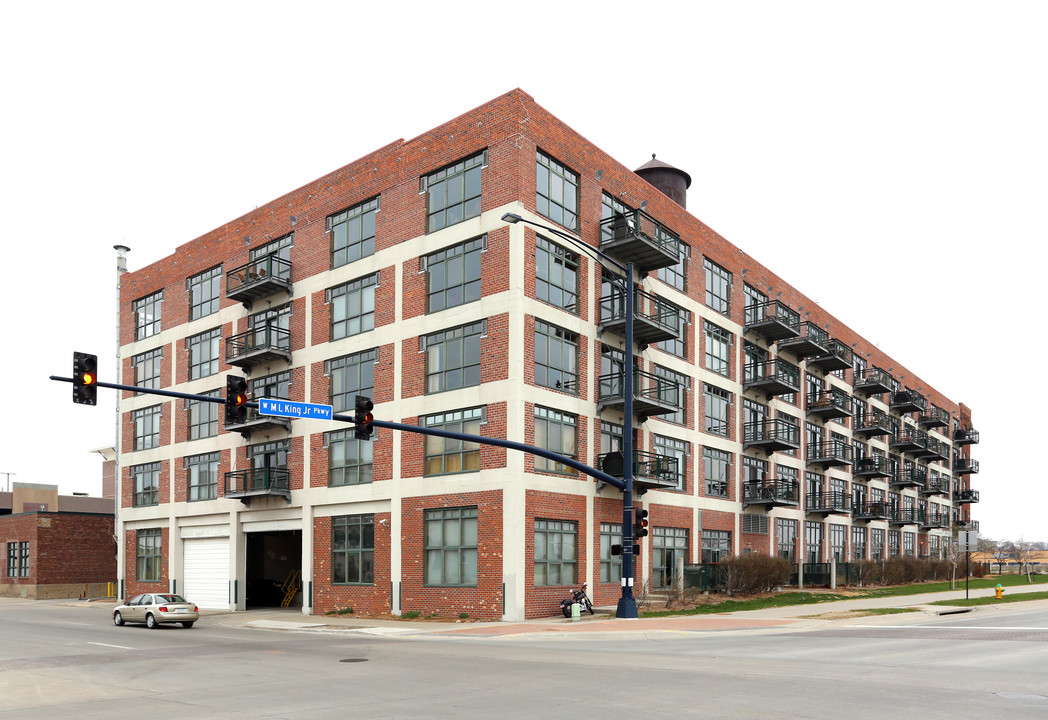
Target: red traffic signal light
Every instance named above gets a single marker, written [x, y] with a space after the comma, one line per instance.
[85, 378]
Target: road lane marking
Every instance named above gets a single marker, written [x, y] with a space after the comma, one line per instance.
[121, 647]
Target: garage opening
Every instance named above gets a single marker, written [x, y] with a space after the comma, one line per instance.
[274, 569]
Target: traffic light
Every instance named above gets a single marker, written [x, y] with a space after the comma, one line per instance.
[85, 378]
[640, 523]
[362, 417]
[236, 400]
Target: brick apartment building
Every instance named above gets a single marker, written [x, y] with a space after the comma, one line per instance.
[762, 423]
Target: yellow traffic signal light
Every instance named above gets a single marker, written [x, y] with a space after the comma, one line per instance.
[85, 378]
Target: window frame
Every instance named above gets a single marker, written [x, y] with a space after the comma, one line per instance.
[201, 364]
[361, 551]
[715, 458]
[463, 258]
[438, 348]
[718, 287]
[556, 275]
[549, 535]
[143, 494]
[192, 465]
[359, 292]
[147, 366]
[149, 555]
[201, 414]
[359, 469]
[148, 312]
[545, 418]
[467, 550]
[556, 204]
[358, 220]
[205, 292]
[145, 423]
[466, 421]
[457, 177]
[564, 375]
[343, 370]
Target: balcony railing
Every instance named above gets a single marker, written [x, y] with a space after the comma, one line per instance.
[832, 403]
[773, 320]
[936, 486]
[773, 493]
[832, 453]
[933, 417]
[935, 520]
[772, 377]
[257, 422]
[911, 476]
[838, 356]
[968, 496]
[909, 440]
[965, 466]
[262, 277]
[906, 401]
[637, 237]
[654, 319]
[879, 510]
[257, 482]
[771, 435]
[259, 346]
[652, 394]
[872, 423]
[965, 436]
[906, 516]
[828, 503]
[650, 470]
[872, 381]
[872, 466]
[936, 449]
[811, 340]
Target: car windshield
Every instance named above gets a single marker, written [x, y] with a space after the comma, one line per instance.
[169, 599]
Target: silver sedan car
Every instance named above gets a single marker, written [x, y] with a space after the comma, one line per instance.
[156, 608]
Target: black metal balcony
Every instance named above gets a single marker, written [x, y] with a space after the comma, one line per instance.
[772, 377]
[837, 357]
[260, 278]
[968, 496]
[828, 503]
[965, 436]
[871, 511]
[906, 516]
[257, 422]
[933, 417]
[772, 320]
[828, 404]
[911, 476]
[909, 440]
[872, 466]
[260, 346]
[650, 470]
[906, 401]
[936, 486]
[832, 453]
[965, 466]
[652, 394]
[771, 493]
[258, 482]
[872, 423]
[654, 319]
[872, 381]
[810, 340]
[771, 435]
[637, 237]
[935, 520]
[936, 450]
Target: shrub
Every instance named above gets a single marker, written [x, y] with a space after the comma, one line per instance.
[410, 614]
[754, 573]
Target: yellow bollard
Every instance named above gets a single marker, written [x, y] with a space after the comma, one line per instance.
[1000, 591]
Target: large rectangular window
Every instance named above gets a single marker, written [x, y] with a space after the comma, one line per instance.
[668, 545]
[718, 286]
[610, 565]
[451, 546]
[148, 555]
[679, 345]
[556, 552]
[18, 559]
[353, 233]
[556, 275]
[556, 191]
[676, 275]
[147, 315]
[716, 545]
[204, 353]
[716, 401]
[353, 307]
[202, 476]
[678, 450]
[453, 275]
[349, 376]
[146, 422]
[147, 368]
[673, 389]
[446, 455]
[786, 538]
[350, 461]
[12, 559]
[203, 416]
[453, 357]
[718, 477]
[204, 292]
[353, 550]
[718, 348]
[453, 192]
[558, 432]
[146, 479]
[556, 357]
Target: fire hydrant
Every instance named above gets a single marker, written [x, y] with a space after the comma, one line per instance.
[1000, 591]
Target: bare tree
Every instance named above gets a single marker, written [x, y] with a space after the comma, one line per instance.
[996, 549]
[1020, 551]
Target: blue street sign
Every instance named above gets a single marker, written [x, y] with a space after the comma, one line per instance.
[288, 408]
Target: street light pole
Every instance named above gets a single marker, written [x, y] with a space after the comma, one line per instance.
[627, 605]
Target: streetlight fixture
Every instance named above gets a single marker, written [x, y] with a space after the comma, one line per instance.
[627, 605]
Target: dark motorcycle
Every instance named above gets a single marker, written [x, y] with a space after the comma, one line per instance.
[577, 596]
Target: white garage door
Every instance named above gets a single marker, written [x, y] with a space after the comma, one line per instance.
[206, 564]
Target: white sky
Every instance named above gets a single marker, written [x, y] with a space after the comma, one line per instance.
[888, 159]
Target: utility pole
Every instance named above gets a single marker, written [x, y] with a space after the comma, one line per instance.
[8, 479]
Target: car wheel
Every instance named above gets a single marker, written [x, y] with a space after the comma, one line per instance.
[151, 622]
[118, 619]
[187, 625]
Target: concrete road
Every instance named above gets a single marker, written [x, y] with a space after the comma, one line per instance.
[68, 660]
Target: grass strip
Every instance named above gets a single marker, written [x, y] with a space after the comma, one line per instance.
[1018, 597]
